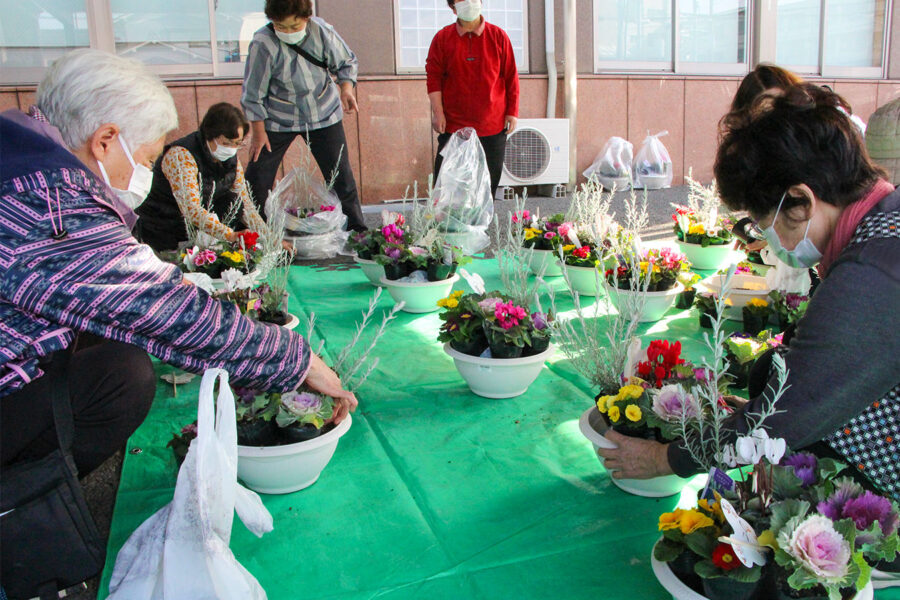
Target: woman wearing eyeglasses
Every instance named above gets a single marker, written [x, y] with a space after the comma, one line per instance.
[798, 165]
[200, 180]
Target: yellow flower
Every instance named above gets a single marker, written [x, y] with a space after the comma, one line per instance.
[692, 520]
[671, 520]
[758, 302]
[235, 257]
[613, 412]
[767, 538]
[631, 391]
[698, 228]
[450, 302]
[714, 508]
[531, 233]
[457, 294]
[602, 403]
[633, 413]
[644, 265]
[568, 247]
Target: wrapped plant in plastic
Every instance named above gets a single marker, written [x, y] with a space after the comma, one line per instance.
[612, 167]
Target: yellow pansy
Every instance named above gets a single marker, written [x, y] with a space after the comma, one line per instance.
[758, 302]
[633, 413]
[670, 520]
[692, 520]
[698, 228]
[602, 403]
[531, 233]
[613, 412]
[631, 391]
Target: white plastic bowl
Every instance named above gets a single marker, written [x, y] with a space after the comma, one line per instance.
[372, 270]
[743, 289]
[587, 281]
[656, 304]
[539, 258]
[711, 258]
[292, 322]
[419, 297]
[654, 182]
[593, 427]
[679, 591]
[498, 377]
[286, 469]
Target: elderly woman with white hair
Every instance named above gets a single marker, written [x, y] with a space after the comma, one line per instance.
[73, 169]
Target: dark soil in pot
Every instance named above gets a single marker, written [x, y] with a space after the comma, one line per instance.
[685, 299]
[256, 432]
[473, 347]
[277, 317]
[298, 433]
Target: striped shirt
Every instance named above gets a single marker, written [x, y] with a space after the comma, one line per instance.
[286, 90]
[99, 279]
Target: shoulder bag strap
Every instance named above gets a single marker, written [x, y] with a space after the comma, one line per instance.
[312, 59]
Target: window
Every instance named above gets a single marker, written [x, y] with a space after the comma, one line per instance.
[701, 36]
[174, 38]
[834, 38]
[416, 22]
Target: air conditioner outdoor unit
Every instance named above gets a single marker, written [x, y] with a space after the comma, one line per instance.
[537, 152]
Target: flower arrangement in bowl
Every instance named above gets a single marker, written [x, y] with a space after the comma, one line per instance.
[703, 235]
[756, 315]
[744, 287]
[788, 307]
[653, 274]
[211, 257]
[543, 236]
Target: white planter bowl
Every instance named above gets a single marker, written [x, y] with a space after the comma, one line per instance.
[593, 427]
[655, 306]
[498, 377]
[372, 270]
[583, 279]
[654, 182]
[743, 289]
[711, 258]
[679, 591]
[293, 321]
[419, 297]
[540, 258]
[286, 469]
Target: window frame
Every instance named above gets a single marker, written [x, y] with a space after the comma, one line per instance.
[523, 69]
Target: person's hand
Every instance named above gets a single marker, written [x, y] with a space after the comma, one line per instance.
[234, 236]
[438, 121]
[754, 246]
[322, 379]
[289, 247]
[348, 98]
[258, 141]
[511, 123]
[634, 458]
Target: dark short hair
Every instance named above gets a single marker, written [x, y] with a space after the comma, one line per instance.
[223, 119]
[797, 136]
[277, 10]
[764, 77]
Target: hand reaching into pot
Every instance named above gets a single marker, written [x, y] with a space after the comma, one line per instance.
[635, 458]
[322, 379]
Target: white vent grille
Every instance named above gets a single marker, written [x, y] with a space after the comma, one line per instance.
[527, 154]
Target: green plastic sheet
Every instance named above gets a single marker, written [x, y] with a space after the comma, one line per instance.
[434, 492]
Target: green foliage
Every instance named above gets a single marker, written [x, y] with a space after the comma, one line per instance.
[667, 550]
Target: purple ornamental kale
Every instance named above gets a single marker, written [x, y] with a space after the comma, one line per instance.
[868, 508]
[804, 465]
[540, 320]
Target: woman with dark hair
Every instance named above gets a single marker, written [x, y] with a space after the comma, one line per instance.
[796, 163]
[200, 180]
[765, 77]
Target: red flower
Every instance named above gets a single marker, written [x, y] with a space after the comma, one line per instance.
[400, 221]
[582, 252]
[724, 558]
[661, 358]
[248, 239]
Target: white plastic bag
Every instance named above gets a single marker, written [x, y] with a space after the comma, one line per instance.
[182, 550]
[612, 167]
[314, 247]
[788, 279]
[653, 165]
[462, 193]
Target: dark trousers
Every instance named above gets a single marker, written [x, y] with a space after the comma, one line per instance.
[326, 145]
[111, 387]
[494, 151]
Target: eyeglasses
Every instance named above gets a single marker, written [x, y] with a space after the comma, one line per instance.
[233, 144]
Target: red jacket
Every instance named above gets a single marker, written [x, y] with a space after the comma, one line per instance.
[476, 73]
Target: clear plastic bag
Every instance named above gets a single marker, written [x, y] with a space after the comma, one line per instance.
[324, 245]
[612, 167]
[653, 165]
[182, 550]
[320, 235]
[462, 193]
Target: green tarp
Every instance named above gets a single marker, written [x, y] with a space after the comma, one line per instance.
[434, 492]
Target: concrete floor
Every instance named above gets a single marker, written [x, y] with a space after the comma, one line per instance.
[101, 485]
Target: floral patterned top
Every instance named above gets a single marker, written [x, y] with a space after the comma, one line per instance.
[181, 170]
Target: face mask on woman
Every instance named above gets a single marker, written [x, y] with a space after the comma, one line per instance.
[223, 153]
[468, 10]
[138, 185]
[805, 254]
[291, 38]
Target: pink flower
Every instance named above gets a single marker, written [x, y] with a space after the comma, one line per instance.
[521, 216]
[392, 234]
[418, 250]
[549, 235]
[820, 549]
[204, 257]
[325, 208]
[564, 229]
[508, 314]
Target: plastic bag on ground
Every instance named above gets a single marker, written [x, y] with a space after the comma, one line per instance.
[182, 550]
[322, 232]
[612, 167]
[462, 193]
[653, 165]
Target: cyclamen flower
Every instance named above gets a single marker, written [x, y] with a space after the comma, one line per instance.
[804, 465]
[820, 549]
[508, 314]
[672, 403]
[301, 403]
[392, 234]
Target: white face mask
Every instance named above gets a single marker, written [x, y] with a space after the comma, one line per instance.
[223, 153]
[138, 185]
[805, 254]
[468, 10]
[292, 38]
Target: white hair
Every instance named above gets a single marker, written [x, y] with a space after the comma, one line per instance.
[87, 88]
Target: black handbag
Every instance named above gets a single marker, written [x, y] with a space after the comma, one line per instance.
[48, 539]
